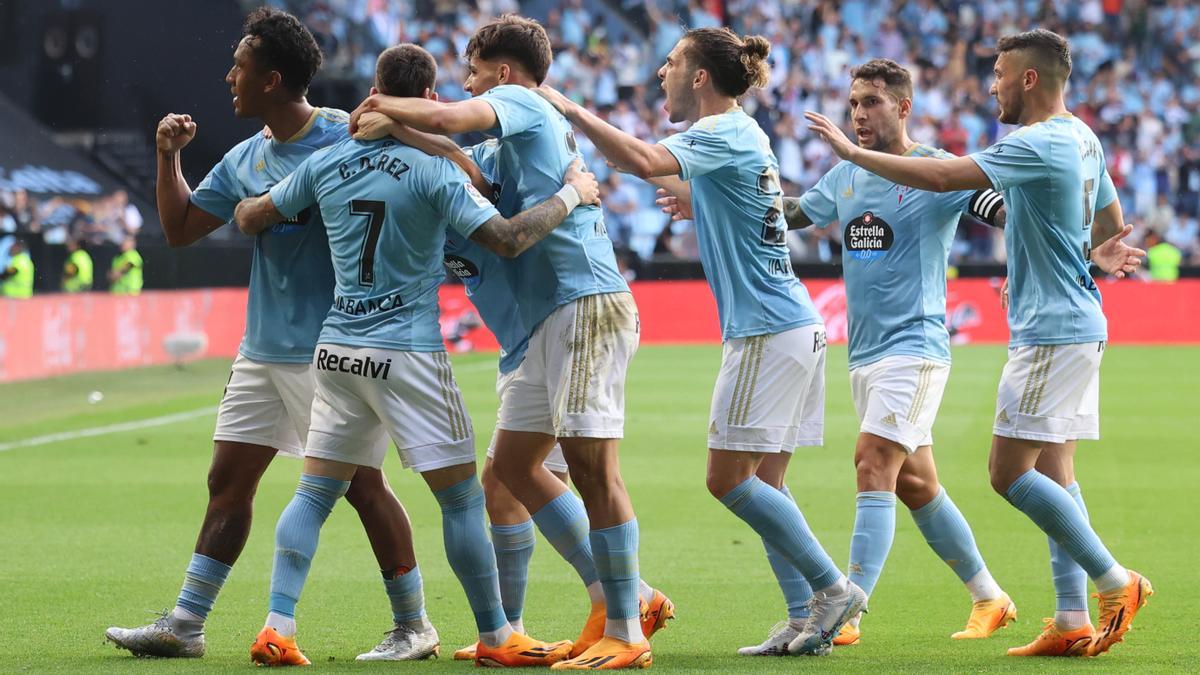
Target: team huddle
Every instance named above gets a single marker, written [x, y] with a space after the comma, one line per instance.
[357, 219]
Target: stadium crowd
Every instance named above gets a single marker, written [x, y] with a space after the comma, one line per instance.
[1137, 64]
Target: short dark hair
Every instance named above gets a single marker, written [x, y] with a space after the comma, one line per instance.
[734, 63]
[405, 70]
[895, 77]
[281, 43]
[1048, 49]
[518, 38]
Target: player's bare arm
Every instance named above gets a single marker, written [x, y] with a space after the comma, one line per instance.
[510, 237]
[183, 223]
[374, 125]
[255, 214]
[628, 153]
[1109, 251]
[674, 196]
[794, 215]
[923, 173]
[429, 115]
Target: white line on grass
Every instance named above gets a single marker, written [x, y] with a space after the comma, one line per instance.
[109, 429]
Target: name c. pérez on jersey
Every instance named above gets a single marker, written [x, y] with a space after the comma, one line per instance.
[365, 366]
[393, 166]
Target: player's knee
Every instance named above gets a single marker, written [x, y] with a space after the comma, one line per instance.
[226, 490]
[1000, 480]
[915, 491]
[364, 493]
[875, 466]
[720, 485]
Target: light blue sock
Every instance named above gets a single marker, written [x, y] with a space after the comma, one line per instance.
[201, 584]
[1051, 507]
[296, 537]
[615, 550]
[564, 523]
[874, 529]
[1070, 581]
[406, 595]
[778, 520]
[470, 555]
[948, 534]
[514, 547]
[796, 591]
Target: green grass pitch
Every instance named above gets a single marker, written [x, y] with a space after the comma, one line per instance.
[96, 531]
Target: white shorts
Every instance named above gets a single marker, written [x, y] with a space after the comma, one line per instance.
[572, 381]
[770, 393]
[1050, 393]
[363, 395]
[266, 404]
[897, 398]
[555, 460]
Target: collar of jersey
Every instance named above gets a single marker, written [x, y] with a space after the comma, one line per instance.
[312, 119]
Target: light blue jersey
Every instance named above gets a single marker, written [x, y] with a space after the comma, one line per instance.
[1053, 177]
[386, 207]
[576, 259]
[291, 279]
[895, 241]
[483, 274]
[738, 208]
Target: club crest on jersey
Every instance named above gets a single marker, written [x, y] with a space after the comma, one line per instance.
[868, 237]
[460, 267]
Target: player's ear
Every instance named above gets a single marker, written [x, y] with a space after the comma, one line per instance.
[274, 81]
[503, 73]
[431, 94]
[1030, 79]
[905, 108]
[699, 78]
[374, 90]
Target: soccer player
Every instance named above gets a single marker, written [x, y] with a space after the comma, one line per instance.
[266, 406]
[583, 334]
[894, 253]
[769, 395]
[381, 363]
[1061, 205]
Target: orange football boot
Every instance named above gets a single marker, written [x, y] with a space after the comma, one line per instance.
[848, 635]
[610, 654]
[1117, 609]
[987, 617]
[1054, 642]
[519, 651]
[272, 649]
[656, 613]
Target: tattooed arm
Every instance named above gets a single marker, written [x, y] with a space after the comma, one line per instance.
[510, 237]
[794, 215]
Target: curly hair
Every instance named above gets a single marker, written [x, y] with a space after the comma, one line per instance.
[281, 43]
[734, 64]
[520, 39]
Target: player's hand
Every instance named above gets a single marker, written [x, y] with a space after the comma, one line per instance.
[1004, 295]
[173, 132]
[673, 206]
[553, 96]
[374, 125]
[1116, 257]
[832, 134]
[584, 181]
[267, 133]
[368, 105]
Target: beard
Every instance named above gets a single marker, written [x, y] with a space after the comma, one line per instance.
[681, 102]
[1010, 113]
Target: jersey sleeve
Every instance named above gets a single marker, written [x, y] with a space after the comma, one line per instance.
[217, 193]
[517, 109]
[296, 192]
[484, 156]
[698, 151]
[1106, 192]
[818, 202]
[452, 196]
[1012, 161]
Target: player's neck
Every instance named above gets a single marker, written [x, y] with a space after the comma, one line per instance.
[901, 145]
[286, 120]
[1042, 110]
[715, 105]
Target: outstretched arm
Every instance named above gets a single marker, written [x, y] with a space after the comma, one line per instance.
[628, 153]
[428, 115]
[510, 237]
[923, 173]
[373, 125]
[255, 214]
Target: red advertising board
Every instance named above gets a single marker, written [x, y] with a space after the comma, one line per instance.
[57, 334]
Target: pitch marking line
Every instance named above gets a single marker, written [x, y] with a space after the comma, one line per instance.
[109, 429]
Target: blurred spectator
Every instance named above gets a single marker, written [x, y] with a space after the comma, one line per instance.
[125, 277]
[77, 271]
[1162, 258]
[16, 279]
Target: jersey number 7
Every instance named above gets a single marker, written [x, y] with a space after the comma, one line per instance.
[375, 211]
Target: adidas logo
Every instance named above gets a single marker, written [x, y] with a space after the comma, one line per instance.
[1002, 417]
[848, 193]
[890, 419]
